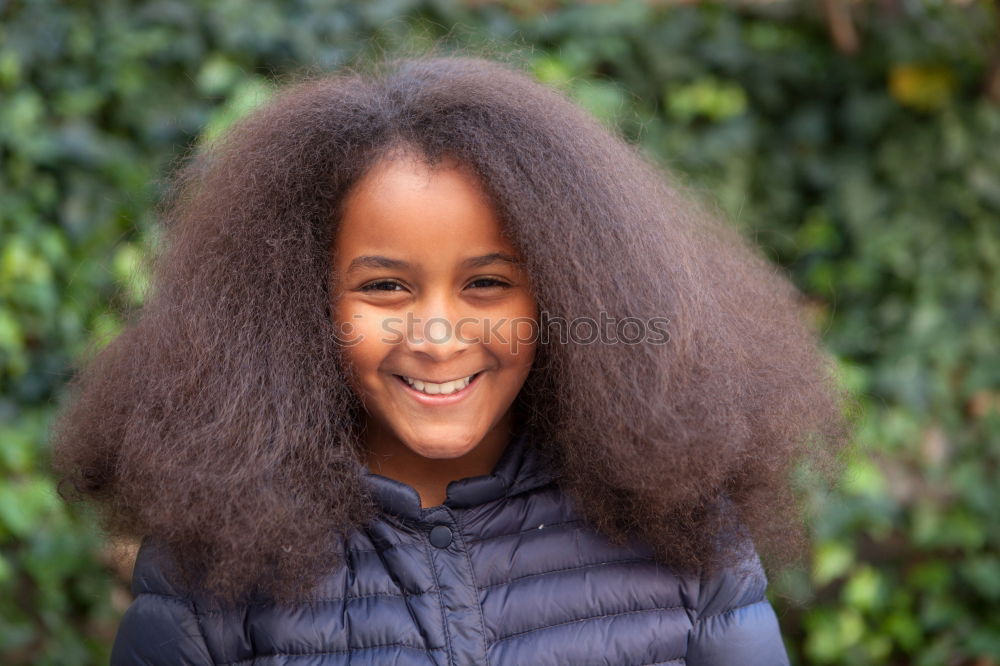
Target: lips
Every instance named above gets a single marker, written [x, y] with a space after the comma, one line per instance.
[439, 399]
[440, 388]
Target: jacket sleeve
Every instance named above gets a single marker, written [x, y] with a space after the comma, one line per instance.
[159, 630]
[735, 624]
[161, 626]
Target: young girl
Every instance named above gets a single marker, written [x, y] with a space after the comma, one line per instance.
[434, 369]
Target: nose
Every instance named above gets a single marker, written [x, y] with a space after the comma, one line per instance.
[439, 330]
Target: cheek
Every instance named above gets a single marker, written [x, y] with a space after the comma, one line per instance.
[515, 343]
[361, 340]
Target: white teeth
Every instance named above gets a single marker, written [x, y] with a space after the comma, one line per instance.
[439, 389]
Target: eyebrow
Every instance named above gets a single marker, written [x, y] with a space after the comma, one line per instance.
[379, 261]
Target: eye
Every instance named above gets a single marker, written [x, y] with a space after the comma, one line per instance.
[381, 285]
[491, 283]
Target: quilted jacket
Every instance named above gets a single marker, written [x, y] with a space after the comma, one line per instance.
[503, 573]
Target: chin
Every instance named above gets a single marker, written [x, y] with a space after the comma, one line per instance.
[443, 448]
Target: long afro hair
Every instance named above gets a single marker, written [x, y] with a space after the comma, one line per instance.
[220, 419]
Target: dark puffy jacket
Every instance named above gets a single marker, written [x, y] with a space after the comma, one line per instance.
[504, 572]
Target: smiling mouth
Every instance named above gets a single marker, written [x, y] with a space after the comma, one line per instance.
[435, 389]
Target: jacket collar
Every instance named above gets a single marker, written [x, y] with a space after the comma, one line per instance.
[519, 469]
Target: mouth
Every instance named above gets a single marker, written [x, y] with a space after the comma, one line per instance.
[439, 394]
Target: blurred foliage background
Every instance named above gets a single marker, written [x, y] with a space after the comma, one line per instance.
[858, 142]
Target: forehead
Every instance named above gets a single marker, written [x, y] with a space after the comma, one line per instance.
[403, 206]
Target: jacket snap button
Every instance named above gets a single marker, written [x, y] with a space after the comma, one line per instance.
[441, 536]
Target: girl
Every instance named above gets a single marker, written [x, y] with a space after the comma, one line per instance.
[434, 369]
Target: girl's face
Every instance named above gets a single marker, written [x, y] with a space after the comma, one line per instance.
[427, 295]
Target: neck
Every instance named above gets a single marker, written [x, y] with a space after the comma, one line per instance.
[389, 457]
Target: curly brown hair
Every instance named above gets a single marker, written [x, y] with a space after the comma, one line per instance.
[221, 421]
